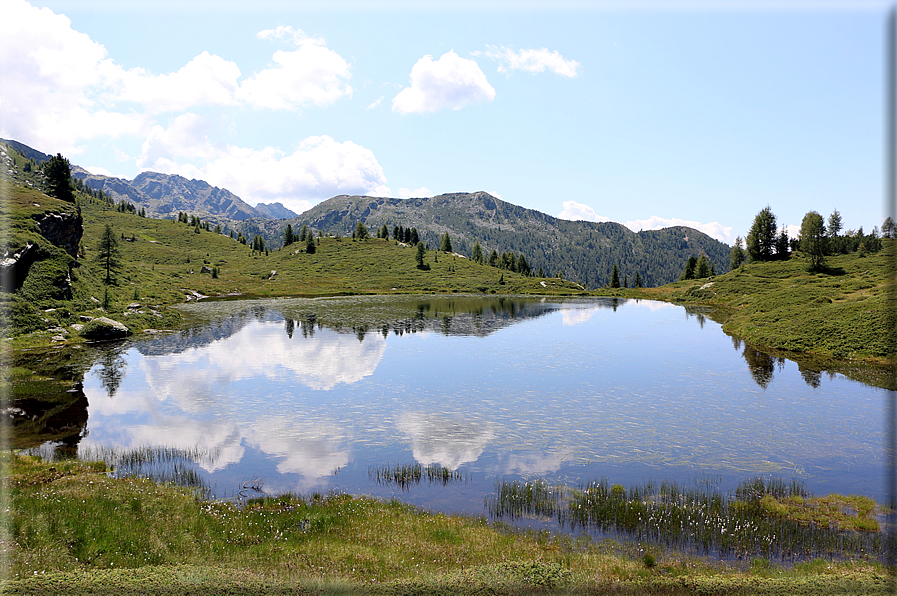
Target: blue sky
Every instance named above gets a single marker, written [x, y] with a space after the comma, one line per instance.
[649, 114]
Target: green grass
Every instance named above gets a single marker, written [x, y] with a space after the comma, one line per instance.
[163, 266]
[838, 319]
[763, 518]
[74, 530]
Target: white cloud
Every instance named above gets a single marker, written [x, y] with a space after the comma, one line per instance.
[319, 169]
[713, 229]
[205, 80]
[793, 230]
[375, 104]
[311, 74]
[98, 171]
[580, 212]
[533, 61]
[407, 193]
[451, 82]
[53, 83]
[297, 36]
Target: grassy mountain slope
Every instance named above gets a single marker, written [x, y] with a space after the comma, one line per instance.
[841, 319]
[583, 251]
[163, 262]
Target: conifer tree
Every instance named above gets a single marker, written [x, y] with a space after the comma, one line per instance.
[58, 172]
[615, 278]
[108, 253]
[477, 256]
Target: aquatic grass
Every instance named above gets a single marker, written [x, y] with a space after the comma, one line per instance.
[73, 529]
[768, 518]
[407, 475]
[162, 464]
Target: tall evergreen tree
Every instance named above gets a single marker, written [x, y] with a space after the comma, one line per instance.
[702, 269]
[522, 265]
[288, 235]
[812, 239]
[736, 257]
[419, 255]
[361, 231]
[834, 224]
[477, 256]
[782, 245]
[638, 279]
[615, 277]
[310, 246]
[58, 172]
[761, 239]
[108, 253]
[415, 238]
[445, 243]
[690, 265]
[493, 258]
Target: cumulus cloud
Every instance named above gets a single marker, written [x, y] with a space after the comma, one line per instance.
[713, 229]
[319, 168]
[53, 82]
[205, 80]
[98, 171]
[580, 212]
[311, 74]
[451, 82]
[532, 61]
[407, 193]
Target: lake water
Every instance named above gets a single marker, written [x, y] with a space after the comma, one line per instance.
[317, 395]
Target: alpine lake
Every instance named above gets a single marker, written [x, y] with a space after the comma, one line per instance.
[441, 401]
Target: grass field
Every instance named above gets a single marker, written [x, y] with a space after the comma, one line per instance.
[73, 530]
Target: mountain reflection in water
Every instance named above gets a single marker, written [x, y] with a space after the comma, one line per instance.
[309, 394]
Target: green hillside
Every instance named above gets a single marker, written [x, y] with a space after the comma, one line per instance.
[584, 251]
[162, 262]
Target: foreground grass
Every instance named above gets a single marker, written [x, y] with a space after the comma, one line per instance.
[73, 530]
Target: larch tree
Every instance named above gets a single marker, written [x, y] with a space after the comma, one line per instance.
[108, 253]
[58, 172]
[761, 240]
[812, 239]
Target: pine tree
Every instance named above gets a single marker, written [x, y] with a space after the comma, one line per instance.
[288, 235]
[782, 245]
[477, 256]
[58, 172]
[761, 239]
[414, 237]
[445, 243]
[108, 253]
[638, 280]
[812, 239]
[702, 269]
[690, 267]
[615, 277]
[310, 246]
[419, 255]
[736, 257]
[361, 231]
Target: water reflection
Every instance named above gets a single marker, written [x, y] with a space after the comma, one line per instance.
[294, 390]
[444, 440]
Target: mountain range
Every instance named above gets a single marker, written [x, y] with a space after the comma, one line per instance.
[581, 251]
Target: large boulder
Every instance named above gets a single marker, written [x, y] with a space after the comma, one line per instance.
[104, 328]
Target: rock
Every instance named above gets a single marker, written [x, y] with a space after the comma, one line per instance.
[104, 328]
[134, 305]
[63, 230]
[205, 269]
[77, 327]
